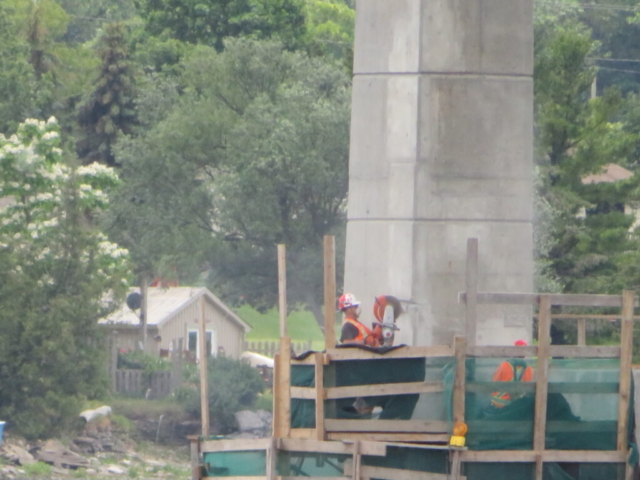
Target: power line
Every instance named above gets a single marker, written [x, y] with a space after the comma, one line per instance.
[589, 6]
[637, 72]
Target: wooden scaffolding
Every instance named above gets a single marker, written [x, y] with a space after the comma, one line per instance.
[373, 437]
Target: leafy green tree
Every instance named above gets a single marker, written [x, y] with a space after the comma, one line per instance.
[578, 136]
[253, 153]
[17, 81]
[330, 27]
[109, 110]
[209, 22]
[59, 276]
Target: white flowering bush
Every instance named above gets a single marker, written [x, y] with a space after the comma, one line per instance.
[58, 276]
[39, 191]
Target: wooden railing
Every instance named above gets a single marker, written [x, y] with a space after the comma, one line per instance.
[271, 348]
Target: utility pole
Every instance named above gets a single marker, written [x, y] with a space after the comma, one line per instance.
[144, 291]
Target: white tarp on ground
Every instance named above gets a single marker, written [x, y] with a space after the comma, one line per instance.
[257, 360]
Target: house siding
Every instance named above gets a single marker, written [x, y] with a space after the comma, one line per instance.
[226, 332]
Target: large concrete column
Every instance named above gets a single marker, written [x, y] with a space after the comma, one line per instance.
[441, 150]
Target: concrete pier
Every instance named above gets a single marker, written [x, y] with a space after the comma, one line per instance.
[441, 150]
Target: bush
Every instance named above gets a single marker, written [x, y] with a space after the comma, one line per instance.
[233, 385]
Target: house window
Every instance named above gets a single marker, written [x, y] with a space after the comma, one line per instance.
[193, 343]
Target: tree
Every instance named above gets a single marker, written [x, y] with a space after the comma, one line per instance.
[109, 110]
[253, 153]
[577, 136]
[210, 22]
[59, 276]
[330, 27]
[17, 82]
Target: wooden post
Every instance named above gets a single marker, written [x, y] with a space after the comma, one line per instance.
[194, 449]
[144, 310]
[275, 423]
[204, 383]
[582, 331]
[272, 454]
[471, 286]
[282, 289]
[113, 360]
[329, 292]
[282, 390]
[319, 380]
[626, 350]
[542, 380]
[459, 384]
[455, 465]
[357, 460]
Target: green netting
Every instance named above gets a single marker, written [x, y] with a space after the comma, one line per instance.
[370, 372]
[582, 407]
[551, 471]
[414, 459]
[235, 464]
[305, 464]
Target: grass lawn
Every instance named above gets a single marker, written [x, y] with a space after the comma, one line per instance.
[301, 326]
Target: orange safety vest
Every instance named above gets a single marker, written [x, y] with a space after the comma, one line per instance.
[364, 334]
[510, 371]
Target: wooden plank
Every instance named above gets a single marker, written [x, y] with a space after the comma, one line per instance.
[544, 331]
[460, 379]
[308, 478]
[309, 433]
[399, 474]
[562, 426]
[576, 300]
[319, 395]
[573, 351]
[390, 437]
[237, 478]
[555, 387]
[306, 393]
[455, 465]
[276, 407]
[383, 389]
[283, 388]
[239, 445]
[329, 292]
[204, 383]
[539, 468]
[194, 454]
[357, 462]
[307, 445]
[582, 331]
[626, 344]
[309, 360]
[282, 289]
[529, 456]
[272, 458]
[471, 285]
[338, 354]
[380, 426]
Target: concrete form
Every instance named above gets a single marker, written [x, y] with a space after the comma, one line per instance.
[441, 150]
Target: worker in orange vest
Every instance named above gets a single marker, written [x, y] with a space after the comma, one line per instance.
[353, 331]
[512, 370]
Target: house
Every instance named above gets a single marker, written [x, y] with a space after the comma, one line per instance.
[174, 314]
[611, 173]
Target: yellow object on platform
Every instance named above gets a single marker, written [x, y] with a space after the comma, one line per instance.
[457, 441]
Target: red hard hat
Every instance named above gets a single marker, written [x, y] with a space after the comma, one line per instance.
[521, 343]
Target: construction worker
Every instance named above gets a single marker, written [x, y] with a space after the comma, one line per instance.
[512, 370]
[353, 331]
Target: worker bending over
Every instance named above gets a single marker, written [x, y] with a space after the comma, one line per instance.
[512, 370]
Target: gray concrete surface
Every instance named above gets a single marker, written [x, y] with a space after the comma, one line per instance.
[441, 150]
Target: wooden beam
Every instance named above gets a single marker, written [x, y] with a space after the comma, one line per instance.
[319, 395]
[626, 345]
[455, 465]
[573, 351]
[401, 474]
[329, 292]
[383, 389]
[283, 388]
[582, 331]
[460, 379]
[260, 477]
[471, 285]
[282, 289]
[529, 456]
[390, 437]
[204, 379]
[308, 433]
[272, 458]
[575, 300]
[277, 373]
[306, 393]
[194, 453]
[338, 354]
[380, 426]
[542, 373]
[530, 387]
[239, 445]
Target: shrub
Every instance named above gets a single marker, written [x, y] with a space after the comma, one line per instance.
[233, 385]
[38, 469]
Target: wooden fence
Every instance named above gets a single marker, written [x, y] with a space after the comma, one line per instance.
[271, 348]
[137, 382]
